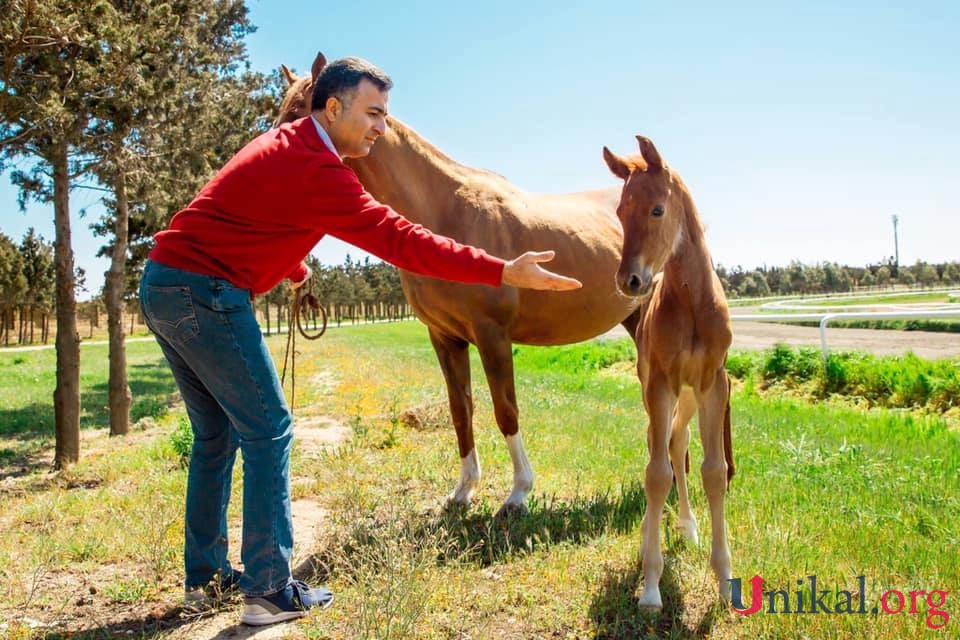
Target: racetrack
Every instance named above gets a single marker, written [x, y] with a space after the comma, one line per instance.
[763, 335]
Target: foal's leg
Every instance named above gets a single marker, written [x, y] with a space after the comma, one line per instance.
[496, 353]
[660, 402]
[679, 458]
[454, 358]
[713, 405]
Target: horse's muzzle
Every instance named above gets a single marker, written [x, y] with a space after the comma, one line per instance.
[635, 283]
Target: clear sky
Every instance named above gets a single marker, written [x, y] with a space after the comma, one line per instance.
[800, 127]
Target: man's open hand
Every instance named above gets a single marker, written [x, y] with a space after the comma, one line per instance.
[524, 272]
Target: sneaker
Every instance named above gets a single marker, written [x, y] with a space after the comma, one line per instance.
[215, 591]
[287, 604]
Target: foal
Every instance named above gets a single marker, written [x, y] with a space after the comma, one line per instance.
[682, 343]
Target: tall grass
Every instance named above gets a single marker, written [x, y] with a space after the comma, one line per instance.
[904, 382]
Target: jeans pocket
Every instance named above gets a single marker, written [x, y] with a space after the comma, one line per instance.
[171, 313]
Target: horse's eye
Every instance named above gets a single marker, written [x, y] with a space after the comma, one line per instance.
[657, 211]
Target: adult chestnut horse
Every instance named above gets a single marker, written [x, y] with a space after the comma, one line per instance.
[480, 208]
[682, 343]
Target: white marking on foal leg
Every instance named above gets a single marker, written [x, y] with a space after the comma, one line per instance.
[522, 472]
[469, 479]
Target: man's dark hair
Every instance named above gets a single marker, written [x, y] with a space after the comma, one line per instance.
[341, 78]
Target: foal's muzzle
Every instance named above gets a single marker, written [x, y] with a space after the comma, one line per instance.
[635, 283]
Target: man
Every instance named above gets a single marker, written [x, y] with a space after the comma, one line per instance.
[247, 229]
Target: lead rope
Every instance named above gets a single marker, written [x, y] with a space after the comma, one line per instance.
[301, 303]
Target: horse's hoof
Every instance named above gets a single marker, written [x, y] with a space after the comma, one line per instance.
[461, 496]
[513, 509]
[688, 529]
[650, 602]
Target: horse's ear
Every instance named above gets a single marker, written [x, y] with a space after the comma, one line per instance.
[621, 167]
[650, 153]
[318, 64]
[290, 76]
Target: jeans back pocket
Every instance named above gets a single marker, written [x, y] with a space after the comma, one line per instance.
[171, 313]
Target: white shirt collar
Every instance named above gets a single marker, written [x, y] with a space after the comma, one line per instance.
[325, 137]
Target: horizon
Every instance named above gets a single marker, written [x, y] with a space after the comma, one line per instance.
[800, 130]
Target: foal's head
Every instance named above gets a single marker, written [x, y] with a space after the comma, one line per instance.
[651, 212]
[296, 101]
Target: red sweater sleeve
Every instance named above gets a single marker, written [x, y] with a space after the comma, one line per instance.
[299, 273]
[345, 210]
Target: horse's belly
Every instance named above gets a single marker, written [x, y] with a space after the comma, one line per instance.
[548, 319]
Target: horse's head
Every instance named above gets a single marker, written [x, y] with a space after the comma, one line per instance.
[651, 212]
[296, 101]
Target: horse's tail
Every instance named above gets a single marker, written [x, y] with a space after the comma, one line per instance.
[728, 438]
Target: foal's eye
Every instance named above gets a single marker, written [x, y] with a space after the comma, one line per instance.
[657, 211]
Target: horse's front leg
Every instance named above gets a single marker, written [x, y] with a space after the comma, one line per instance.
[454, 357]
[496, 353]
[713, 409]
[660, 402]
[680, 459]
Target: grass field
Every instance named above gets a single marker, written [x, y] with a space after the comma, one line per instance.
[822, 488]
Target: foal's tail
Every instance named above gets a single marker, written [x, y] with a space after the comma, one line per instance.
[728, 438]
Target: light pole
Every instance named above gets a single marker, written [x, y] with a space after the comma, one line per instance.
[896, 247]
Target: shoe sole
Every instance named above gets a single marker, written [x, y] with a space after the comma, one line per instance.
[265, 618]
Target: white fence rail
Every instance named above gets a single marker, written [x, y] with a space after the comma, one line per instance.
[825, 318]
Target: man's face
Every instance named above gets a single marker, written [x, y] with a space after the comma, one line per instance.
[356, 125]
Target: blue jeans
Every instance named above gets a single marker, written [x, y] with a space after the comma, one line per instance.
[208, 332]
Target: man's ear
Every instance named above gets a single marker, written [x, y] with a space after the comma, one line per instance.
[334, 107]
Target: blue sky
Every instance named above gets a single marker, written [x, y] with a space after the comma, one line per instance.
[800, 128]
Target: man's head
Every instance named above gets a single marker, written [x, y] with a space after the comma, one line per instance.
[350, 101]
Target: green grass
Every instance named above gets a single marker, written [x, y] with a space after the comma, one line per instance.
[27, 381]
[821, 488]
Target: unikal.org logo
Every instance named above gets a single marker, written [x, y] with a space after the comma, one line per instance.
[817, 601]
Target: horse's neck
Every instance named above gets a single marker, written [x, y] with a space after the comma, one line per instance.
[408, 173]
[688, 271]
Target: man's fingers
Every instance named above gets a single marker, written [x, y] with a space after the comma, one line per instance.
[540, 256]
[563, 283]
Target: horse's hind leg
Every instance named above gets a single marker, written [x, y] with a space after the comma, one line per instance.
[713, 407]
[496, 353]
[454, 357]
[680, 460]
[660, 402]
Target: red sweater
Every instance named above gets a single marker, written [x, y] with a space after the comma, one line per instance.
[258, 218]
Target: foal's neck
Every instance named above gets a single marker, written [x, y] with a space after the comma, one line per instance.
[408, 173]
[688, 271]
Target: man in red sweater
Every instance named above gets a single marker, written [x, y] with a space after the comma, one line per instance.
[250, 227]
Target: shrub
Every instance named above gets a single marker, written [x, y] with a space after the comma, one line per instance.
[182, 439]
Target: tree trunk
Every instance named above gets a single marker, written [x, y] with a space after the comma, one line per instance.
[66, 396]
[119, 390]
[266, 309]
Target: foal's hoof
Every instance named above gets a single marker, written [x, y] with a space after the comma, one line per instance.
[513, 510]
[650, 602]
[688, 529]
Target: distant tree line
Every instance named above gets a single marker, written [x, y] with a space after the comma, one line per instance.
[829, 277]
[352, 292]
[27, 283]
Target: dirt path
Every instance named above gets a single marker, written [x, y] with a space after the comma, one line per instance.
[84, 609]
[312, 436]
[763, 335]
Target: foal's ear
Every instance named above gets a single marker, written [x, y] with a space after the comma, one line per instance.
[318, 64]
[621, 167]
[650, 154]
[288, 75]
